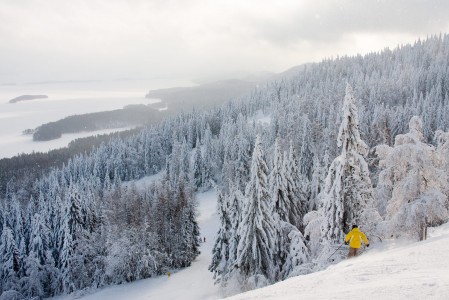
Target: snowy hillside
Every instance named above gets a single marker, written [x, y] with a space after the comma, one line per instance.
[392, 270]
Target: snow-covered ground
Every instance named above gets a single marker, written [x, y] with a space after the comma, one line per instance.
[393, 270]
[192, 283]
[390, 270]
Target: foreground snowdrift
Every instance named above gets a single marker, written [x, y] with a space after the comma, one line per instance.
[389, 271]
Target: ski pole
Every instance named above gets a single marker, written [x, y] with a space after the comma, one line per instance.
[335, 251]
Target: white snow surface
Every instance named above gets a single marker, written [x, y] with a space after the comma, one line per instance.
[391, 270]
[394, 269]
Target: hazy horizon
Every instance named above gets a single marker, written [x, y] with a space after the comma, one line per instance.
[147, 40]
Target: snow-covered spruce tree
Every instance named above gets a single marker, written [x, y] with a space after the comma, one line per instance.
[189, 246]
[297, 253]
[36, 275]
[347, 196]
[282, 205]
[164, 214]
[315, 183]
[297, 187]
[412, 188]
[312, 231]
[14, 220]
[224, 259]
[293, 250]
[207, 162]
[288, 214]
[235, 203]
[220, 251]
[175, 163]
[66, 253]
[278, 184]
[242, 146]
[257, 230]
[196, 167]
[305, 152]
[9, 264]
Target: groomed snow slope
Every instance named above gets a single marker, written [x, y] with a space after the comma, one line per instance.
[392, 270]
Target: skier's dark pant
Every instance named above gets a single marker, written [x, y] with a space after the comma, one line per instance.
[352, 252]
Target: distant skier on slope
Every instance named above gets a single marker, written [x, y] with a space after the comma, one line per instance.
[354, 238]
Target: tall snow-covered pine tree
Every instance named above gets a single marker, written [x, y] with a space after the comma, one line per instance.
[257, 229]
[348, 193]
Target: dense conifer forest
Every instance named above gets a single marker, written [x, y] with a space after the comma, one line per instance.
[352, 139]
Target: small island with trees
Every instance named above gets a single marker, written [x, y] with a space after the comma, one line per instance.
[27, 98]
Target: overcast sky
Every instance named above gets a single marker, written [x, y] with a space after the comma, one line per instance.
[44, 40]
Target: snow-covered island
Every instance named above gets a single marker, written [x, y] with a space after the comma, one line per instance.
[27, 98]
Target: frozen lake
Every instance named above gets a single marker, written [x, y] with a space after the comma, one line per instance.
[65, 99]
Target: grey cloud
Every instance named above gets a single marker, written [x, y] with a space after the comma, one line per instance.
[331, 20]
[84, 39]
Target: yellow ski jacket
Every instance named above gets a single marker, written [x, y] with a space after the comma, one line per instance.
[356, 236]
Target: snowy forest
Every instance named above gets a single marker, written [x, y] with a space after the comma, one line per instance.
[361, 139]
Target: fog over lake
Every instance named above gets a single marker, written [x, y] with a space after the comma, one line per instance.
[65, 99]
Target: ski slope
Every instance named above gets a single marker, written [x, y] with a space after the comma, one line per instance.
[392, 270]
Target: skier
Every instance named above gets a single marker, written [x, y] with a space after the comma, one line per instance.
[354, 238]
